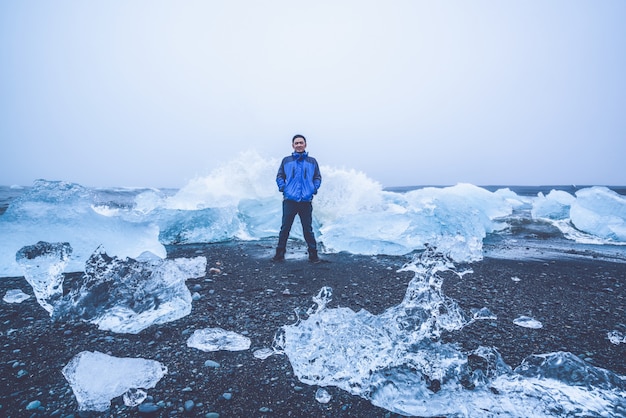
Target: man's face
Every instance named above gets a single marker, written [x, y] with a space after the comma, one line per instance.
[299, 145]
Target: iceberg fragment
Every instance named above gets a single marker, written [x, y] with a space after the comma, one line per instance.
[397, 361]
[43, 265]
[15, 296]
[55, 211]
[128, 295]
[97, 378]
[216, 339]
[527, 322]
[601, 212]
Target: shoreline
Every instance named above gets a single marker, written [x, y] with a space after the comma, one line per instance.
[577, 301]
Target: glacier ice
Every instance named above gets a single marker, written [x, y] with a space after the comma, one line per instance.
[96, 378]
[42, 265]
[15, 296]
[601, 212]
[453, 219]
[397, 361]
[527, 322]
[129, 295]
[217, 339]
[555, 205]
[55, 211]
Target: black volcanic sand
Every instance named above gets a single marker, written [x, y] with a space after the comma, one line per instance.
[578, 302]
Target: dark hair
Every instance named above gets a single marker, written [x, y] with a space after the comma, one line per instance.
[296, 137]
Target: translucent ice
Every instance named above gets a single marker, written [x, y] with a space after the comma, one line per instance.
[128, 295]
[556, 205]
[97, 378]
[600, 212]
[42, 265]
[216, 339]
[484, 313]
[15, 296]
[527, 322]
[397, 361]
[616, 337]
[66, 212]
[322, 396]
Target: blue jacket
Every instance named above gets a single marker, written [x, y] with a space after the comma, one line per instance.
[299, 177]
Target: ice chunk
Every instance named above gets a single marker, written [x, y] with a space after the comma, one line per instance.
[66, 212]
[396, 360]
[616, 337]
[134, 397]
[97, 378]
[322, 395]
[453, 219]
[601, 212]
[127, 295]
[527, 322]
[216, 339]
[15, 296]
[43, 265]
[570, 370]
[263, 353]
[556, 205]
[484, 313]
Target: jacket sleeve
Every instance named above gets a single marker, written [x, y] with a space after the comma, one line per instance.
[280, 176]
[317, 177]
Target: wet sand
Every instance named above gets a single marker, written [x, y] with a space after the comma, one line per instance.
[577, 301]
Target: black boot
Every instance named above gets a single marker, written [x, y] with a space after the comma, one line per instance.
[313, 258]
[280, 255]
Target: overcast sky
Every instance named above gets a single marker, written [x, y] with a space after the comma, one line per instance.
[155, 93]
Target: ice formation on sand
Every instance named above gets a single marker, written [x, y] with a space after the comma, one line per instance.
[130, 295]
[120, 295]
[397, 361]
[43, 265]
[97, 378]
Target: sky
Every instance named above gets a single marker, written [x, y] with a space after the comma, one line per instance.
[154, 93]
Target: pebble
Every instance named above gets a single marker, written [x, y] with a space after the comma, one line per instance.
[189, 405]
[33, 405]
[227, 396]
[212, 415]
[148, 408]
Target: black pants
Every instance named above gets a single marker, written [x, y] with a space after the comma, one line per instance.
[291, 208]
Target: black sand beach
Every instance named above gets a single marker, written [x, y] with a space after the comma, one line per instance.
[578, 302]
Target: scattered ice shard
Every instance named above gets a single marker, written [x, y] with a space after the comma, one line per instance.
[216, 339]
[97, 378]
[134, 397]
[484, 313]
[616, 337]
[43, 265]
[128, 295]
[15, 296]
[322, 396]
[397, 361]
[527, 322]
[263, 353]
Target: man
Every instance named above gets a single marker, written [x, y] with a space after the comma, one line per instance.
[298, 179]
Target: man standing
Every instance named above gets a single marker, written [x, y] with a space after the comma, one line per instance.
[298, 179]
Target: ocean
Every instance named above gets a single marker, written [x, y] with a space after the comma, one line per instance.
[125, 235]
